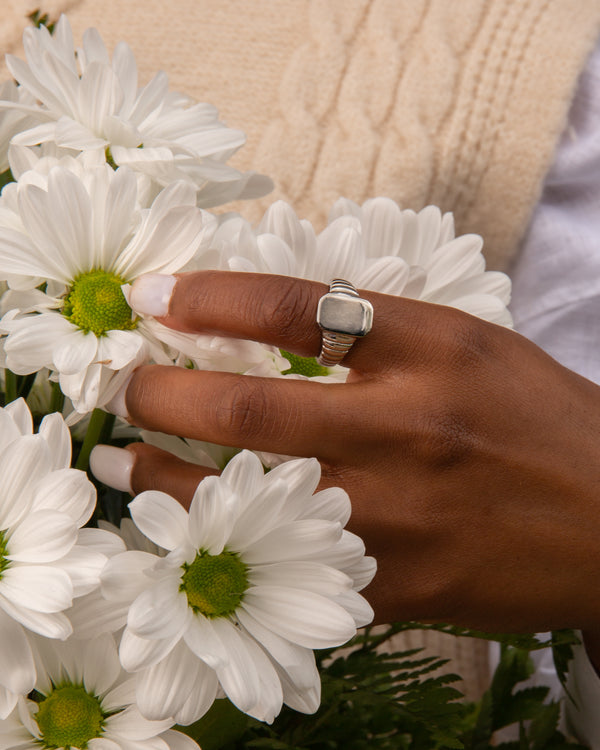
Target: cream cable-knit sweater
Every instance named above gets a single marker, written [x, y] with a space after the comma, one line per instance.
[454, 102]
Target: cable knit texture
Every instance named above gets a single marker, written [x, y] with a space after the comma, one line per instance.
[426, 101]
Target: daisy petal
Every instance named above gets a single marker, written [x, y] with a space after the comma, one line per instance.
[43, 536]
[37, 588]
[161, 518]
[17, 669]
[305, 618]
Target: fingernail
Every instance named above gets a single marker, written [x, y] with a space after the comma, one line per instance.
[117, 403]
[112, 466]
[151, 294]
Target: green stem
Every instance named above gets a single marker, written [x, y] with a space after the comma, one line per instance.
[10, 386]
[96, 429]
[25, 384]
[57, 400]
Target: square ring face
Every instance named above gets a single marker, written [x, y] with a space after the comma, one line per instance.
[342, 313]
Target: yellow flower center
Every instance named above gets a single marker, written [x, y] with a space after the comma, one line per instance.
[215, 584]
[95, 302]
[69, 717]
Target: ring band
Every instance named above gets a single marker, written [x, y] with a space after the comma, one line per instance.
[343, 316]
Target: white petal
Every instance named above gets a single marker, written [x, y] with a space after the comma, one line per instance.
[43, 536]
[123, 577]
[161, 518]
[298, 540]
[103, 743]
[75, 352]
[69, 492]
[268, 509]
[163, 688]
[178, 740]
[197, 703]
[131, 725]
[17, 669]
[202, 639]
[382, 226]
[297, 574]
[92, 615]
[140, 653]
[357, 606]
[23, 459]
[83, 566]
[100, 540]
[8, 700]
[302, 617]
[244, 474]
[52, 625]
[249, 679]
[101, 667]
[296, 660]
[211, 516]
[8, 430]
[331, 504]
[386, 275]
[118, 348]
[160, 611]
[38, 588]
[458, 259]
[56, 433]
[20, 415]
[302, 475]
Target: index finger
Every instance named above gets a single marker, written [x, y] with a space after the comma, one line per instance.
[275, 310]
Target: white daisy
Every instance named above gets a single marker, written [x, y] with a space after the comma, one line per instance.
[46, 558]
[377, 246]
[85, 700]
[13, 121]
[86, 100]
[258, 574]
[83, 232]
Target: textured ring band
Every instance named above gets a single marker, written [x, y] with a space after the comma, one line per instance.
[343, 316]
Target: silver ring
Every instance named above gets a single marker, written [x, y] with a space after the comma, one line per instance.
[343, 316]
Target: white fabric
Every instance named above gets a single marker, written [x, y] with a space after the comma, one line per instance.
[556, 304]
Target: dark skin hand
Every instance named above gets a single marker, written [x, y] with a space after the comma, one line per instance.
[471, 457]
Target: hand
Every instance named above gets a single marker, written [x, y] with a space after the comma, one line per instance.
[472, 458]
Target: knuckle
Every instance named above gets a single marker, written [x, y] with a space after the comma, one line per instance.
[447, 439]
[470, 342]
[239, 413]
[452, 440]
[285, 307]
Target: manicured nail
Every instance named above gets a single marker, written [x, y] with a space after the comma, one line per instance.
[112, 466]
[117, 403]
[151, 294]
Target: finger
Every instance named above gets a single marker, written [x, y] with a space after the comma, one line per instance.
[279, 415]
[155, 469]
[276, 310]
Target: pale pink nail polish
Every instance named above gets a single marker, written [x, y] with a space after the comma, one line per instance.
[151, 294]
[112, 466]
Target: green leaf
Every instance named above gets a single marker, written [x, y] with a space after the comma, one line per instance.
[222, 724]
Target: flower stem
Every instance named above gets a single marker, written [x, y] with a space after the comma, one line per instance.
[99, 429]
[10, 386]
[57, 400]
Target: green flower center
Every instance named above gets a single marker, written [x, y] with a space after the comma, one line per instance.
[95, 302]
[215, 584]
[307, 366]
[69, 717]
[4, 563]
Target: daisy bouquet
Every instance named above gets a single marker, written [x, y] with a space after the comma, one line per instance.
[126, 623]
